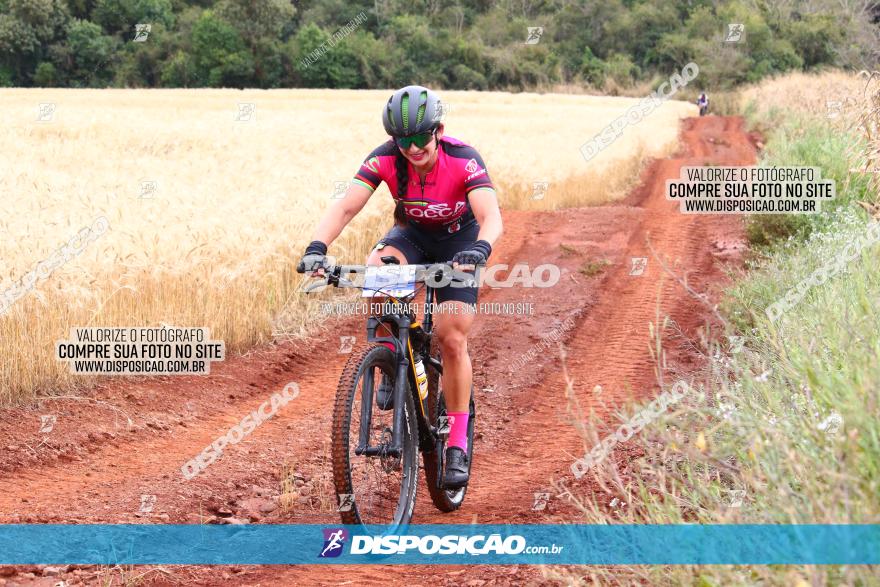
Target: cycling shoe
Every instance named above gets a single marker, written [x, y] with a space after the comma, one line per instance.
[457, 470]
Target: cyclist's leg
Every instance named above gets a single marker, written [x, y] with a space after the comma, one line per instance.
[401, 243]
[454, 321]
[455, 318]
[457, 310]
[375, 258]
[396, 244]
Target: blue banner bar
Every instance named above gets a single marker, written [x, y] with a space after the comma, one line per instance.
[107, 544]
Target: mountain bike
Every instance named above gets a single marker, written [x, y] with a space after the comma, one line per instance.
[375, 451]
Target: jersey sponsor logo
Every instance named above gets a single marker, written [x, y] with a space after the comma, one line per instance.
[441, 210]
[372, 164]
[472, 166]
[476, 174]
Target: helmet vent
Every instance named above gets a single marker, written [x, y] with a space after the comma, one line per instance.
[404, 118]
[404, 111]
[423, 100]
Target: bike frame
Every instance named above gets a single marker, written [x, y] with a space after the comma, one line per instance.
[404, 368]
[428, 433]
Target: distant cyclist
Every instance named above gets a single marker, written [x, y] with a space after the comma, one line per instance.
[446, 210]
[703, 103]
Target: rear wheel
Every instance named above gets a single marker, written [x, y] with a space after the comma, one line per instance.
[445, 500]
[380, 489]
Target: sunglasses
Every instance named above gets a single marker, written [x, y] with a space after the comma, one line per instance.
[419, 140]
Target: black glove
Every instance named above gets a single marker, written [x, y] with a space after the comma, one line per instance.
[478, 254]
[313, 258]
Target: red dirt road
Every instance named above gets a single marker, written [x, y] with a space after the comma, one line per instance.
[94, 466]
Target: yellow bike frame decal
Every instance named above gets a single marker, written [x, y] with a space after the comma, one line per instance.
[412, 364]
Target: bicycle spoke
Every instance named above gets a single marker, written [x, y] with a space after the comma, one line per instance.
[376, 481]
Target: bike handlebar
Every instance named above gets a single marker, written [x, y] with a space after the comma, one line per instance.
[334, 274]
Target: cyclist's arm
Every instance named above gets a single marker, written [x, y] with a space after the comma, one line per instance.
[480, 193]
[376, 168]
[484, 204]
[340, 213]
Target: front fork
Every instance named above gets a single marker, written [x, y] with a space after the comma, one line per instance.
[395, 449]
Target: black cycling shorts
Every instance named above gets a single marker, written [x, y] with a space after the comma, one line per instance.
[421, 247]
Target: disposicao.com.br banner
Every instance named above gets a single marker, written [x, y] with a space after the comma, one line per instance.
[109, 544]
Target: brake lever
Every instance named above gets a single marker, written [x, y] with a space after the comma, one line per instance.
[316, 285]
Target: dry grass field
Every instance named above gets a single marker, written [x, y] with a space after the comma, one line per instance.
[848, 102]
[207, 214]
[834, 95]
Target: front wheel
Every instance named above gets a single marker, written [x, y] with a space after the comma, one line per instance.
[372, 489]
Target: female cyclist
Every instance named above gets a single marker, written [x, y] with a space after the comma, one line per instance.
[446, 210]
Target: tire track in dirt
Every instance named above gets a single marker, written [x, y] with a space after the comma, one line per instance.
[524, 433]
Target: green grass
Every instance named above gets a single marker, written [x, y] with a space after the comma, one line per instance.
[592, 268]
[805, 142]
[567, 251]
[792, 418]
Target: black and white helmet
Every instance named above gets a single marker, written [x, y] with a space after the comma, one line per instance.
[412, 110]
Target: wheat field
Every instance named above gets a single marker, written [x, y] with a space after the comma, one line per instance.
[832, 95]
[207, 214]
[847, 101]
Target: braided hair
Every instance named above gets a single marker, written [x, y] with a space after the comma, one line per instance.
[402, 181]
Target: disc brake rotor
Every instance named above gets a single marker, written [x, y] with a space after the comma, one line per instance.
[389, 463]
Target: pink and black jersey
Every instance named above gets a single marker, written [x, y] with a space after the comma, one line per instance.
[440, 201]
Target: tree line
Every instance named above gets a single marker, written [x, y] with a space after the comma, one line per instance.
[460, 44]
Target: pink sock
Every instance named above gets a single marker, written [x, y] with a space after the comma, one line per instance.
[458, 430]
